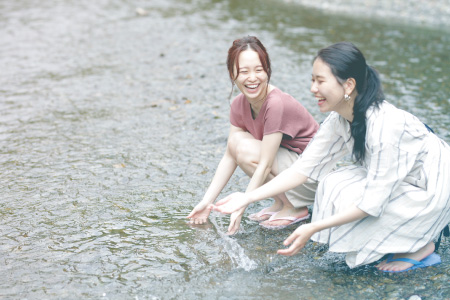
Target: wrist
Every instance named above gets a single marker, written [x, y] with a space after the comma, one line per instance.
[248, 199]
[241, 211]
[315, 227]
[206, 201]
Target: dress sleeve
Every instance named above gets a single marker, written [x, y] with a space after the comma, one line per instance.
[327, 147]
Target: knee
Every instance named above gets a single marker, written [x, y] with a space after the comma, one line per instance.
[241, 149]
[244, 152]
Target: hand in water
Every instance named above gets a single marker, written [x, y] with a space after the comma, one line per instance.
[231, 203]
[235, 221]
[297, 240]
[200, 213]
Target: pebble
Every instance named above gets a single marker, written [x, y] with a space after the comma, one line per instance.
[437, 276]
[390, 288]
[141, 12]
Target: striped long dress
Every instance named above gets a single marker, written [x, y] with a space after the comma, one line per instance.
[403, 184]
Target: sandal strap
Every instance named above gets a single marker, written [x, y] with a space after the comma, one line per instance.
[408, 260]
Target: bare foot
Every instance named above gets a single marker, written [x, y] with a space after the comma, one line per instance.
[396, 266]
[267, 212]
[286, 212]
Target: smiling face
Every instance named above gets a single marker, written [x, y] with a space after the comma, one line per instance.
[252, 80]
[329, 92]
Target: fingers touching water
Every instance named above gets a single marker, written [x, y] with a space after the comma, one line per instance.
[233, 204]
[199, 215]
[297, 240]
[235, 221]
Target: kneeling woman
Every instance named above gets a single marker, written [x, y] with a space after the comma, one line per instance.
[269, 130]
[394, 199]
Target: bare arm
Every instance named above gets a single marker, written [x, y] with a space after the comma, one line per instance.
[223, 173]
[269, 148]
[298, 239]
[286, 180]
[283, 182]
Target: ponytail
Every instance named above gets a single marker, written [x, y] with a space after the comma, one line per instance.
[371, 94]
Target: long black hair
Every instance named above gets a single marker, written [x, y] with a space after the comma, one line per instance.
[346, 61]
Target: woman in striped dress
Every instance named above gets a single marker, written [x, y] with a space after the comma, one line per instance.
[393, 200]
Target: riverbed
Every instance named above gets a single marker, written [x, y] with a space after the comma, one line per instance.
[114, 118]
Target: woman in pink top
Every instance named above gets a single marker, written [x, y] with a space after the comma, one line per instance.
[269, 131]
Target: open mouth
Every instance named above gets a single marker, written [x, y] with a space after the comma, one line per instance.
[321, 100]
[252, 86]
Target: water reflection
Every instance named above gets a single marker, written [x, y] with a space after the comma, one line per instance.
[112, 126]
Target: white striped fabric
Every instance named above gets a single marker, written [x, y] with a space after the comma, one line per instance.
[403, 184]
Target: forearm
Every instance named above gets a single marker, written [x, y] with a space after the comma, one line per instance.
[286, 180]
[258, 178]
[283, 182]
[353, 213]
[224, 171]
[298, 239]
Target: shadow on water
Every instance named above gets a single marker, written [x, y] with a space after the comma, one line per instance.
[113, 123]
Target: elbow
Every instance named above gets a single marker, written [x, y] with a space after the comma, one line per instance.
[263, 170]
[267, 169]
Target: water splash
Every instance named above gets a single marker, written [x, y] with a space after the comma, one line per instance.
[233, 249]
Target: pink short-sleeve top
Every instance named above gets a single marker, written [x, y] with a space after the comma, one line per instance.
[280, 113]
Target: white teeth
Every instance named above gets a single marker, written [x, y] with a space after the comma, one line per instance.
[252, 86]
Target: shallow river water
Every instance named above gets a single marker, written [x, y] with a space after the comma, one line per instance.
[114, 118]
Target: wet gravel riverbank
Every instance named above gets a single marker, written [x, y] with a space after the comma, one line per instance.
[114, 119]
[433, 13]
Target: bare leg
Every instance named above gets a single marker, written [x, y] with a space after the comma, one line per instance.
[288, 210]
[246, 151]
[400, 265]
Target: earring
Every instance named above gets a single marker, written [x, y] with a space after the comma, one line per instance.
[346, 97]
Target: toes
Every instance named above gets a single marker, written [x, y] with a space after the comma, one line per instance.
[381, 265]
[277, 223]
[392, 266]
[263, 218]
